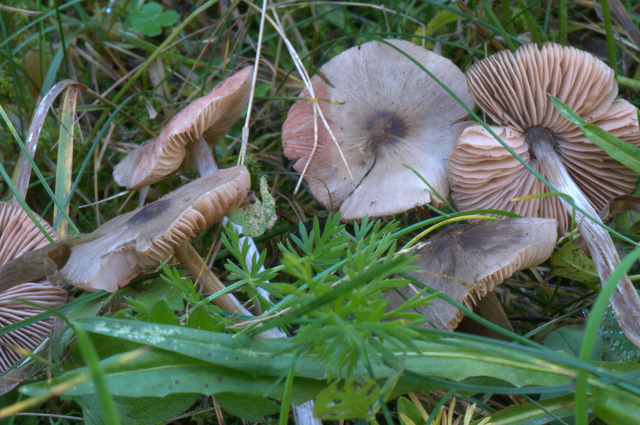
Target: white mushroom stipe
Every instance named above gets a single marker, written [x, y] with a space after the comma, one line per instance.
[597, 238]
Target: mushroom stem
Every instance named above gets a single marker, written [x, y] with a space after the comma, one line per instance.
[624, 301]
[202, 157]
[205, 163]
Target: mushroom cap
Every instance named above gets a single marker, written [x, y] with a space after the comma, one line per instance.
[512, 88]
[19, 235]
[384, 112]
[31, 336]
[466, 262]
[210, 116]
[147, 235]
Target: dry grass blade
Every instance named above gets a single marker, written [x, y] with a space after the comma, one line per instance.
[625, 21]
[35, 129]
[64, 167]
[317, 112]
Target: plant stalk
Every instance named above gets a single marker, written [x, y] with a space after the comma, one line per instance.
[624, 301]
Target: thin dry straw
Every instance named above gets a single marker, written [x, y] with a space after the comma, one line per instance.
[245, 128]
[316, 109]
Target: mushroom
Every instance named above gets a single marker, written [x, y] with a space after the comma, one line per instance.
[384, 111]
[205, 120]
[18, 236]
[512, 88]
[147, 235]
[466, 262]
[211, 117]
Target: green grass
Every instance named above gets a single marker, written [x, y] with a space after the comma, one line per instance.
[325, 278]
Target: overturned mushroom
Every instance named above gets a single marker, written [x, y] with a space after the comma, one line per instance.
[147, 235]
[512, 88]
[203, 121]
[466, 262]
[384, 111]
[18, 236]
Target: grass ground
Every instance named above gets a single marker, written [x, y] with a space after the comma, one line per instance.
[137, 65]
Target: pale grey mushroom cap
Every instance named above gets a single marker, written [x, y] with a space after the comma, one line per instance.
[385, 112]
[466, 262]
[210, 116]
[147, 235]
[19, 235]
[512, 88]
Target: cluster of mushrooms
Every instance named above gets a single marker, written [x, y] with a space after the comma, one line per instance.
[118, 250]
[375, 125]
[380, 107]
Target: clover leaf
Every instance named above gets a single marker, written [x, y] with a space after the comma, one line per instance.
[150, 18]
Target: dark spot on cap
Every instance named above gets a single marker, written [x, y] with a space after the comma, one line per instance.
[206, 385]
[177, 382]
[219, 379]
[208, 354]
[170, 387]
[149, 212]
[384, 128]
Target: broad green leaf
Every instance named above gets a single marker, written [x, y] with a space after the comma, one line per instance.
[571, 262]
[615, 408]
[152, 9]
[617, 347]
[199, 318]
[138, 410]
[167, 18]
[159, 290]
[409, 411]
[162, 313]
[158, 373]
[256, 217]
[568, 339]
[445, 358]
[540, 413]
[249, 408]
[256, 357]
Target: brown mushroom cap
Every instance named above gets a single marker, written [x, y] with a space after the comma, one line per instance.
[512, 88]
[386, 112]
[147, 235]
[31, 336]
[466, 262]
[19, 235]
[210, 116]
